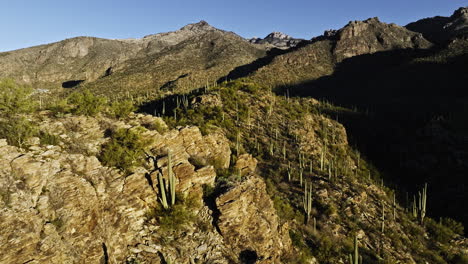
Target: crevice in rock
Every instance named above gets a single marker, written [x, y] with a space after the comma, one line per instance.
[108, 72]
[210, 201]
[106, 256]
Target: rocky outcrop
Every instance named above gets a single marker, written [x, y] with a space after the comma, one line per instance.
[68, 208]
[207, 100]
[371, 35]
[63, 207]
[277, 40]
[249, 224]
[442, 29]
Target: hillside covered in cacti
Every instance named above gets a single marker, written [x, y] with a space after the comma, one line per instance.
[199, 146]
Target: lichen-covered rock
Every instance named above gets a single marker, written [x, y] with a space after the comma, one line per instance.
[246, 163]
[249, 224]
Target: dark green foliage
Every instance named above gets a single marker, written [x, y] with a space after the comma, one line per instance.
[15, 102]
[86, 103]
[438, 231]
[48, 139]
[298, 242]
[121, 109]
[453, 225]
[17, 130]
[459, 259]
[174, 218]
[60, 107]
[125, 149]
[15, 98]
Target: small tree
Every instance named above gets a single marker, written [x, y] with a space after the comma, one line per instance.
[15, 102]
[86, 103]
[14, 98]
[121, 109]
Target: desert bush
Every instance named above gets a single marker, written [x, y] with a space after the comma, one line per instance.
[121, 109]
[86, 103]
[16, 130]
[48, 139]
[453, 225]
[60, 107]
[438, 231]
[125, 149]
[15, 98]
[176, 217]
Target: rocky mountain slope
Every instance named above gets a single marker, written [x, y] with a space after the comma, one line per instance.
[240, 177]
[442, 29]
[386, 72]
[312, 61]
[151, 63]
[251, 170]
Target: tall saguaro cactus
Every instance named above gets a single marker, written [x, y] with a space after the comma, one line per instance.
[422, 203]
[167, 191]
[171, 177]
[356, 259]
[307, 200]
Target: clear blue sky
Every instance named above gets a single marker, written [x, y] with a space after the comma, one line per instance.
[25, 23]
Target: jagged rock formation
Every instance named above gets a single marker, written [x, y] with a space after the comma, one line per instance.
[59, 207]
[252, 228]
[442, 29]
[371, 35]
[277, 40]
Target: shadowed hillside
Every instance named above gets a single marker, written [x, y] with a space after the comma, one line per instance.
[412, 117]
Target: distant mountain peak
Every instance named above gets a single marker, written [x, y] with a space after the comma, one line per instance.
[201, 25]
[277, 40]
[278, 35]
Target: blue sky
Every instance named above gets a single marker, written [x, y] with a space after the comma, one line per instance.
[25, 23]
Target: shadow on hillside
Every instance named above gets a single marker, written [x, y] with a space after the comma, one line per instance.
[412, 120]
[245, 70]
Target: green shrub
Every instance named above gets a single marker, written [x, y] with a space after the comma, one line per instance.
[176, 217]
[453, 225]
[60, 108]
[125, 149]
[459, 259]
[15, 98]
[121, 109]
[48, 139]
[86, 103]
[439, 232]
[16, 130]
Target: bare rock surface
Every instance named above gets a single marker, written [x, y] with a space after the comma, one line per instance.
[248, 222]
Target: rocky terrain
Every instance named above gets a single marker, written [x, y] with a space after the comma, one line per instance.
[61, 207]
[442, 29]
[124, 64]
[198, 146]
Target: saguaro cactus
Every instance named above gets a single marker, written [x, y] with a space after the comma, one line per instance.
[307, 200]
[356, 259]
[167, 191]
[422, 203]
